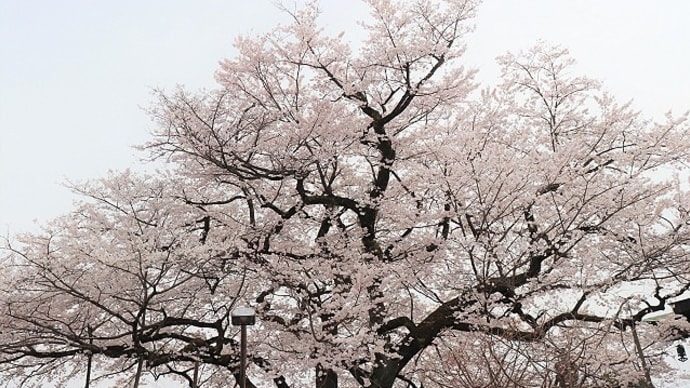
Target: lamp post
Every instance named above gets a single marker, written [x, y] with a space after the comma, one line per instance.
[243, 316]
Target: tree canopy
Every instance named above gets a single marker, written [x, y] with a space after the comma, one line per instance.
[393, 224]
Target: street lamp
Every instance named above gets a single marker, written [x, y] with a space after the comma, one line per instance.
[243, 316]
[680, 307]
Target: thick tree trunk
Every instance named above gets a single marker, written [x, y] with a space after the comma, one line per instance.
[326, 378]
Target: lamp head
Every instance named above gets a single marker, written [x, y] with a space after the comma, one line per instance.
[243, 316]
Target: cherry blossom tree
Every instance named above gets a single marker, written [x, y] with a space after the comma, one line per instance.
[392, 223]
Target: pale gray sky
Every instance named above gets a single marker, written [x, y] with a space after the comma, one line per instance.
[74, 74]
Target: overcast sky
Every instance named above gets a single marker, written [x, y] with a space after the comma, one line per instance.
[74, 74]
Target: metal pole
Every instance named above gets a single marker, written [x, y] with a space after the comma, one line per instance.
[195, 381]
[140, 366]
[90, 359]
[243, 356]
